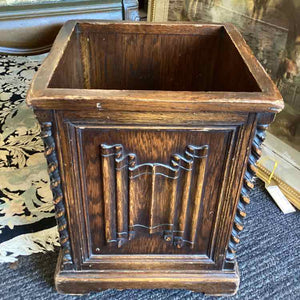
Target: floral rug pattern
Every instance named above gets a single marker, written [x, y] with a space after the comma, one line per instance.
[25, 196]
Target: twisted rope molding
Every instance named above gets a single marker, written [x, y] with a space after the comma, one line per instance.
[248, 184]
[55, 185]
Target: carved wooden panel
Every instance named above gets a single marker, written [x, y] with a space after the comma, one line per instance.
[160, 198]
[140, 190]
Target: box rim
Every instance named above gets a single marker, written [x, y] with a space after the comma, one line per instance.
[268, 99]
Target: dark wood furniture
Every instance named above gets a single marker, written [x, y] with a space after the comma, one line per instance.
[156, 130]
[30, 29]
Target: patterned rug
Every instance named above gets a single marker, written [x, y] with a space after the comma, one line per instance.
[27, 223]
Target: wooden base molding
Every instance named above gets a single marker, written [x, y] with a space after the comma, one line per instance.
[217, 283]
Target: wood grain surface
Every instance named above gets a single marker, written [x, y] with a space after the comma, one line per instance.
[154, 127]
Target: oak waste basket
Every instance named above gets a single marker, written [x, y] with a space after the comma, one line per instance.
[152, 132]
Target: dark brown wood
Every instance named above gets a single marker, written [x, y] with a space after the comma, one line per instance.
[178, 186]
[157, 151]
[55, 185]
[31, 28]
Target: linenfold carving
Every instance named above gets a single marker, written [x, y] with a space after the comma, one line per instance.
[160, 198]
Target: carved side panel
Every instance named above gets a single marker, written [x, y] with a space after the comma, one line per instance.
[131, 10]
[248, 184]
[159, 198]
[55, 184]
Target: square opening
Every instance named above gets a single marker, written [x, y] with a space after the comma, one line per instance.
[131, 57]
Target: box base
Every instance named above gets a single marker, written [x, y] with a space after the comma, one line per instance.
[210, 282]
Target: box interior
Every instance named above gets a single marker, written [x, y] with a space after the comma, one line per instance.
[100, 57]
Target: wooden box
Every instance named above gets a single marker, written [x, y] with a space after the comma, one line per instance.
[152, 132]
